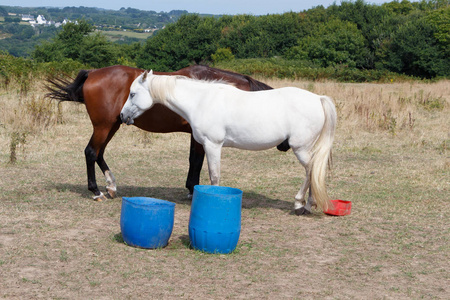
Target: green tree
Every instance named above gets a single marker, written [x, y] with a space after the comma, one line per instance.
[191, 40]
[403, 7]
[370, 19]
[72, 36]
[97, 52]
[3, 11]
[264, 36]
[335, 42]
[440, 20]
[77, 42]
[236, 31]
[127, 54]
[9, 19]
[415, 50]
[48, 52]
[66, 44]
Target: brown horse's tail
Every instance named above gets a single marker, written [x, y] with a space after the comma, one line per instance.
[64, 89]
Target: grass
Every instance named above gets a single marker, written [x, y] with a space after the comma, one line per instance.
[117, 35]
[55, 242]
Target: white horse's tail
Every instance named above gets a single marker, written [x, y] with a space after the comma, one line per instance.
[321, 154]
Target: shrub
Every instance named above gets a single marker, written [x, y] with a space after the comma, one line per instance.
[302, 69]
[222, 54]
[15, 69]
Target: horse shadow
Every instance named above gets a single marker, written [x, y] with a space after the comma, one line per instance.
[250, 200]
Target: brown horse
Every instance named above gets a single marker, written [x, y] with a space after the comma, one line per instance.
[104, 92]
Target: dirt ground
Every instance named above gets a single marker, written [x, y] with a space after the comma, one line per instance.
[57, 243]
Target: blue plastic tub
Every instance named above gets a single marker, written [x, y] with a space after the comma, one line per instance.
[146, 222]
[215, 219]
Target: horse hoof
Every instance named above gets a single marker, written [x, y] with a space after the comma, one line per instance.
[189, 196]
[111, 192]
[302, 211]
[100, 197]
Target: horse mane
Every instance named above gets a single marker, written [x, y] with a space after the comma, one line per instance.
[161, 87]
[205, 71]
[256, 85]
[219, 81]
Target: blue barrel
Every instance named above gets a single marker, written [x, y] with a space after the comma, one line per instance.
[215, 219]
[146, 222]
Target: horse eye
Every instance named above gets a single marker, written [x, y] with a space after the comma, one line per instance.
[132, 95]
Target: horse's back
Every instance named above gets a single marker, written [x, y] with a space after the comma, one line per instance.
[240, 81]
[106, 90]
[110, 81]
[289, 108]
[284, 99]
[113, 78]
[258, 120]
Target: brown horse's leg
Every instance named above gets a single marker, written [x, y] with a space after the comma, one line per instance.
[196, 157]
[94, 153]
[91, 157]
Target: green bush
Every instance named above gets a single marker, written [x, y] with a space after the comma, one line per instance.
[19, 71]
[56, 69]
[15, 69]
[222, 54]
[298, 69]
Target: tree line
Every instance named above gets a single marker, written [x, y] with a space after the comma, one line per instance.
[124, 17]
[410, 38]
[19, 38]
[402, 37]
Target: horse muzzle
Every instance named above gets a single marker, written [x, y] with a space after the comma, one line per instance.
[126, 119]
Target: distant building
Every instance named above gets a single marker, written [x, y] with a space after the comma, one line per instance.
[41, 20]
[27, 18]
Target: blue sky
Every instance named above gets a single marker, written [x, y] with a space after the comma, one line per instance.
[254, 7]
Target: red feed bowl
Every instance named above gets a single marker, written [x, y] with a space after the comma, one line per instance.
[341, 208]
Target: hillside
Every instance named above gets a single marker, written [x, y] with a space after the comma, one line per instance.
[352, 41]
[127, 25]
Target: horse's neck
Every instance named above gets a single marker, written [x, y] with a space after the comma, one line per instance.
[182, 97]
[161, 87]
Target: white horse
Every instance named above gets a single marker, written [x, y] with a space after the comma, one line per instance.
[223, 116]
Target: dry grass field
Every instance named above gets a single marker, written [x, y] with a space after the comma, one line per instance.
[391, 160]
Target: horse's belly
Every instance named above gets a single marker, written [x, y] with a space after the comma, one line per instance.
[250, 146]
[253, 141]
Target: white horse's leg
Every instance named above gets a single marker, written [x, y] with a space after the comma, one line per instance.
[213, 152]
[309, 204]
[302, 207]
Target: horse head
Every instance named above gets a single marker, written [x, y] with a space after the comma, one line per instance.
[139, 100]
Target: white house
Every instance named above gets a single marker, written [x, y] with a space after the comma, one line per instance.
[41, 20]
[27, 18]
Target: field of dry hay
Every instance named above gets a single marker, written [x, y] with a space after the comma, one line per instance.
[391, 160]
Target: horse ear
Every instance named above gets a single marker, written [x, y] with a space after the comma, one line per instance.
[144, 76]
[151, 72]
